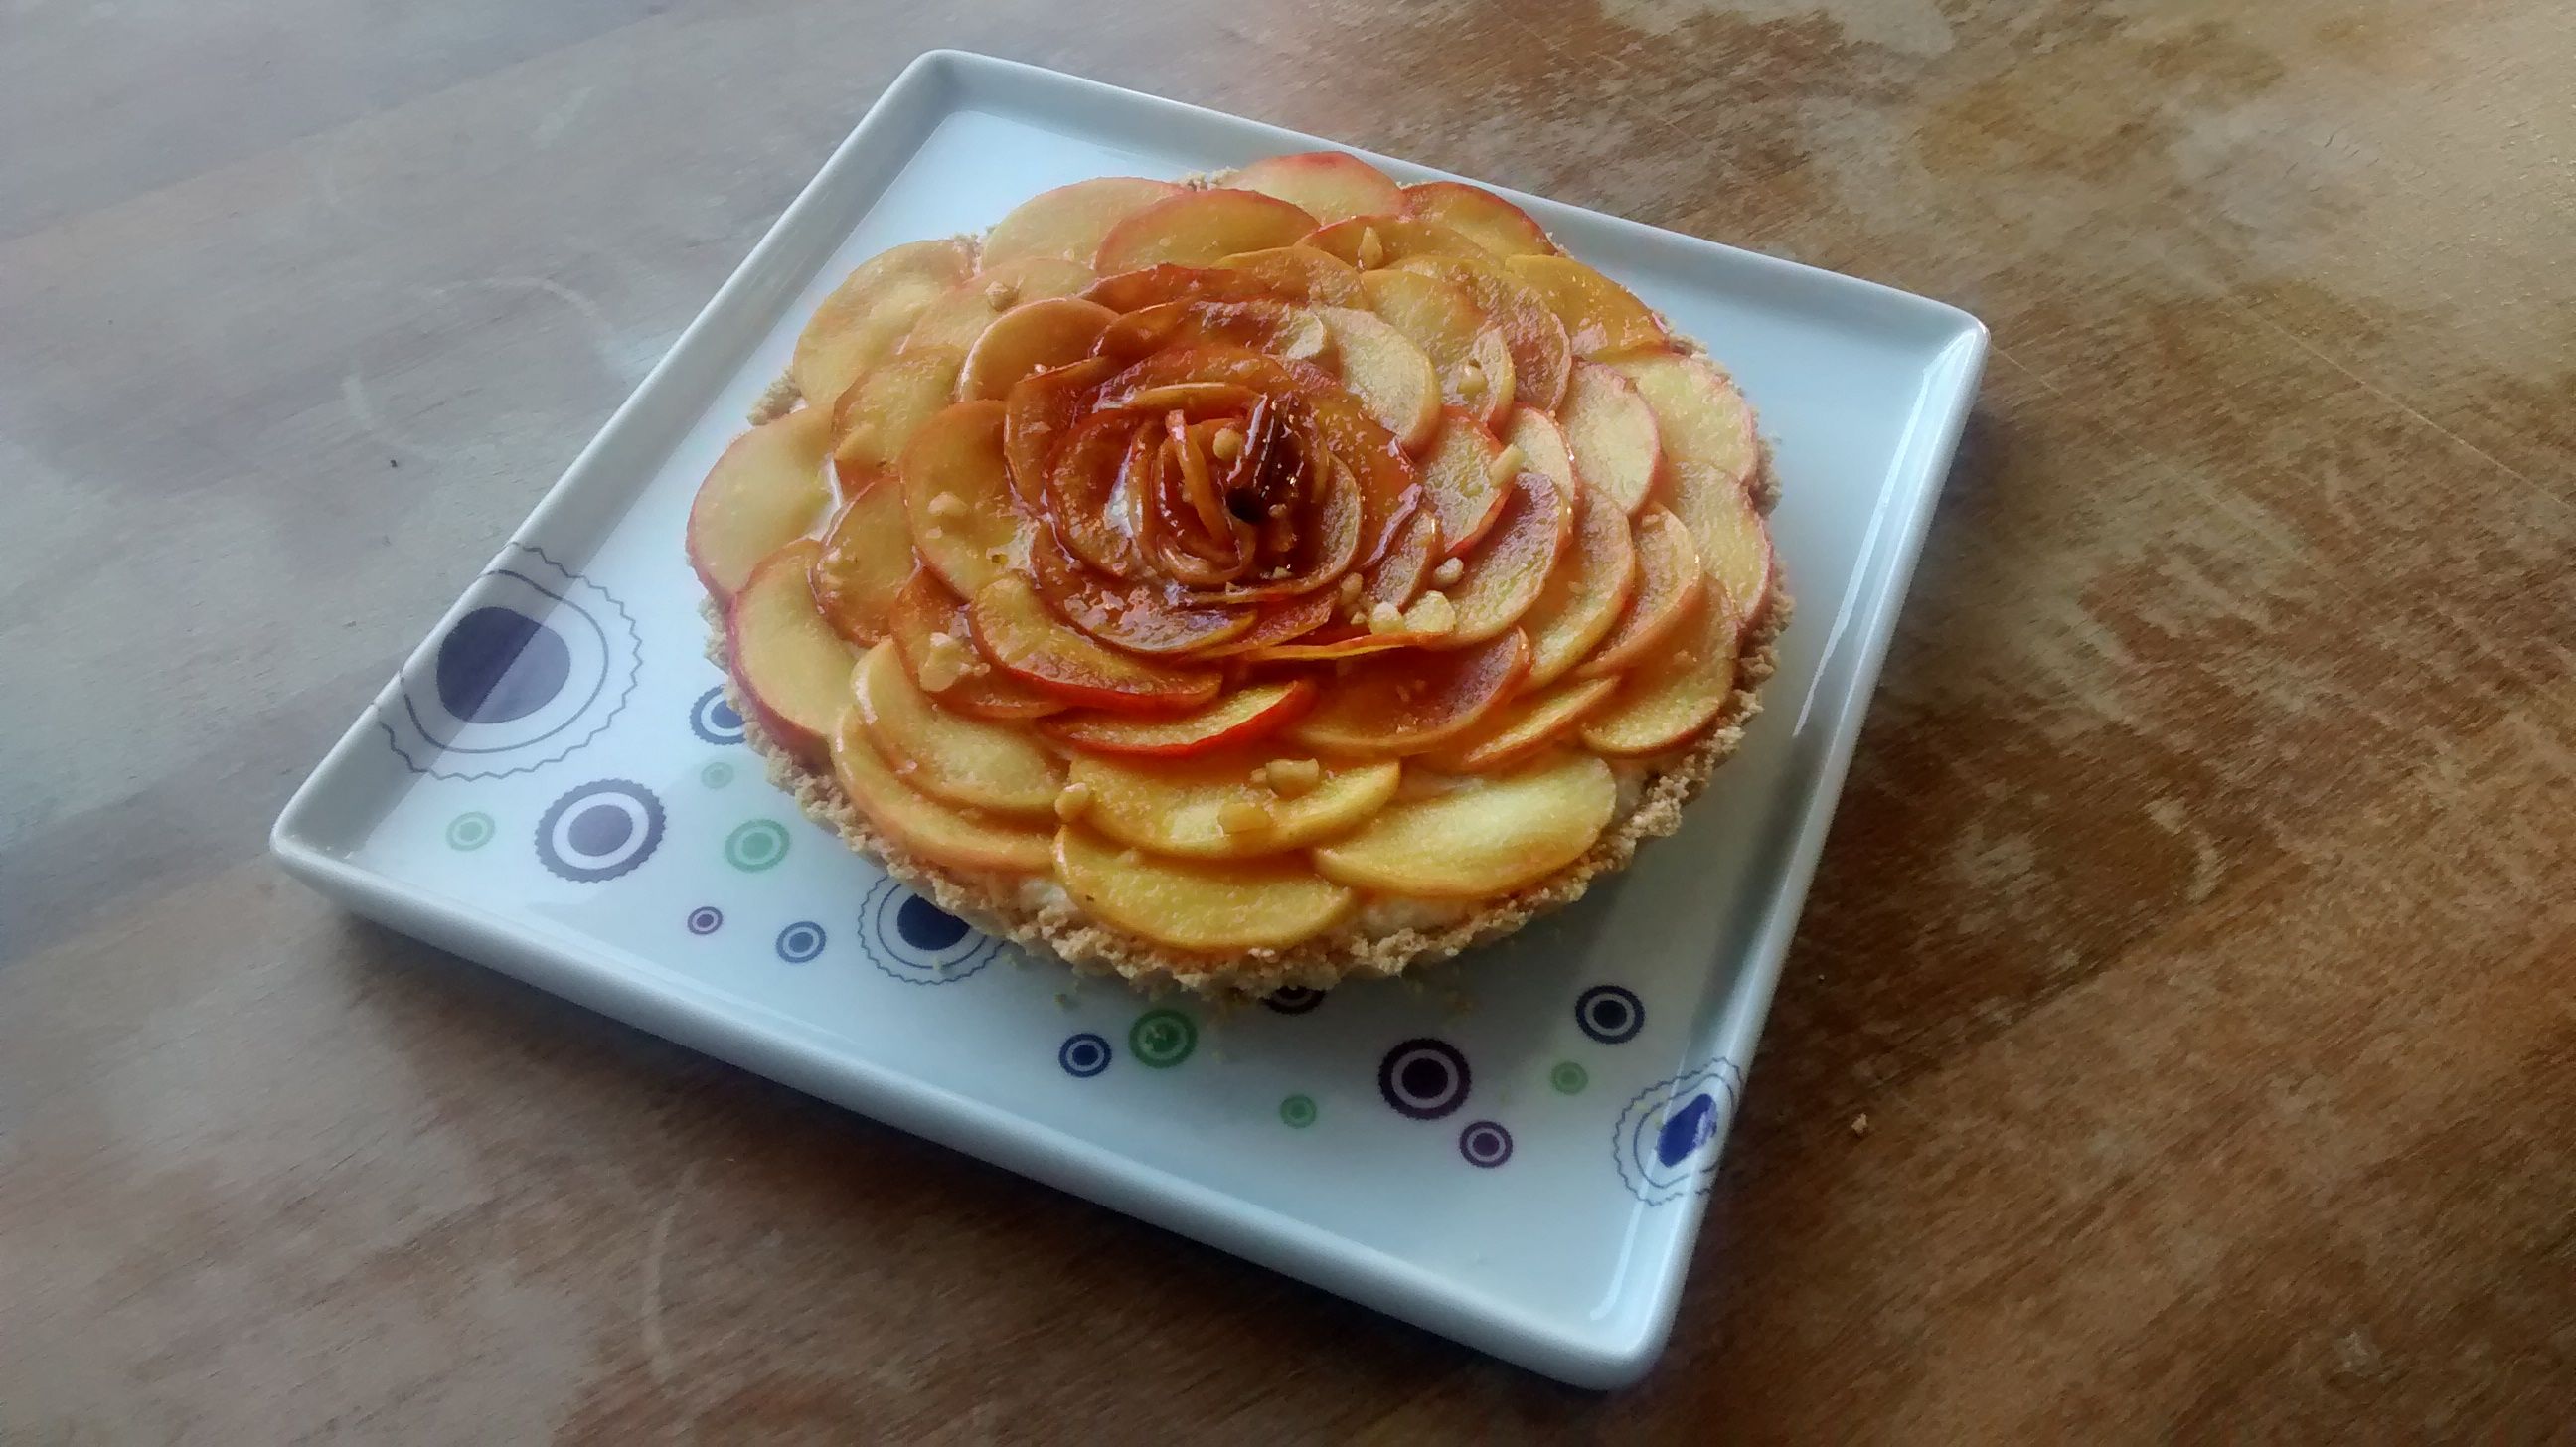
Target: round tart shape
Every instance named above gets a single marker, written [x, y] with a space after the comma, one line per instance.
[1246, 582]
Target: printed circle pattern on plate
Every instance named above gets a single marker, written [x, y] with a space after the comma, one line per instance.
[706, 919]
[1293, 1000]
[800, 942]
[537, 668]
[1083, 1056]
[917, 942]
[470, 830]
[1424, 1079]
[1665, 1143]
[712, 718]
[1610, 1014]
[1485, 1144]
[755, 845]
[1569, 1078]
[1162, 1038]
[1297, 1112]
[599, 831]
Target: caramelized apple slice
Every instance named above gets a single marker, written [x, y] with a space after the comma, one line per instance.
[1195, 228]
[1015, 630]
[1301, 273]
[1142, 385]
[1542, 358]
[1069, 222]
[1479, 215]
[1473, 361]
[875, 417]
[1601, 317]
[1241, 717]
[794, 670]
[1035, 278]
[957, 317]
[1387, 373]
[1543, 448]
[1092, 492]
[1369, 242]
[1398, 577]
[930, 628]
[1459, 481]
[952, 756]
[1509, 569]
[1410, 703]
[1199, 905]
[1587, 593]
[865, 318]
[1318, 648]
[1327, 185]
[767, 490]
[1273, 328]
[1136, 290]
[938, 832]
[1277, 623]
[1039, 414]
[1675, 696]
[1699, 414]
[1182, 806]
[1735, 549]
[1033, 337]
[957, 496]
[1486, 837]
[1668, 587]
[1519, 729]
[1612, 433]
[865, 561]
[1140, 617]
[1376, 457]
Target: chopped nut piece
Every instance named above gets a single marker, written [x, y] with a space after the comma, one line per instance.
[1371, 250]
[1292, 778]
[1449, 571]
[1242, 816]
[1350, 587]
[1227, 444]
[947, 505]
[1001, 294]
[1431, 613]
[1860, 1124]
[1507, 464]
[1072, 800]
[1384, 618]
[1471, 380]
[946, 660]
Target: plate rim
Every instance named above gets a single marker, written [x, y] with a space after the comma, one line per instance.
[631, 988]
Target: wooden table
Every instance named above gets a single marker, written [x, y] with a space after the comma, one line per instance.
[2182, 1038]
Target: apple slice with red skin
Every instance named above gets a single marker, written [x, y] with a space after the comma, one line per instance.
[1240, 717]
[1601, 317]
[1479, 215]
[1471, 358]
[1341, 645]
[1141, 618]
[875, 417]
[1397, 578]
[1272, 328]
[1136, 290]
[1385, 473]
[1675, 696]
[1508, 570]
[1611, 431]
[939, 832]
[1327, 185]
[1398, 238]
[1587, 594]
[1495, 834]
[1735, 547]
[1195, 228]
[1219, 908]
[1543, 448]
[1139, 385]
[865, 560]
[1412, 702]
[1301, 273]
[1039, 413]
[1669, 584]
[793, 669]
[1027, 641]
[1070, 222]
[923, 611]
[1092, 492]
[957, 496]
[1542, 357]
[1387, 374]
[1277, 623]
[1458, 481]
[1521, 728]
[868, 315]
[1700, 416]
[767, 490]
[951, 755]
[1034, 337]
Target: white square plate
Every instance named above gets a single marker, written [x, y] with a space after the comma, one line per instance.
[596, 828]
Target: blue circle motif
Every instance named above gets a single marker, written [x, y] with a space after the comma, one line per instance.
[713, 720]
[1610, 1014]
[1083, 1056]
[916, 941]
[498, 664]
[800, 942]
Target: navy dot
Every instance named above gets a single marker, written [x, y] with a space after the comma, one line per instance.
[1485, 1144]
[800, 942]
[722, 715]
[706, 919]
[600, 830]
[498, 664]
[925, 926]
[1083, 1056]
[1425, 1077]
[1686, 1130]
[1611, 1014]
[1293, 1000]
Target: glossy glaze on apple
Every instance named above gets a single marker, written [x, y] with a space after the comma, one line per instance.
[1245, 565]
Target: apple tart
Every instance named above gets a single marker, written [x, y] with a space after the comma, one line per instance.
[1247, 582]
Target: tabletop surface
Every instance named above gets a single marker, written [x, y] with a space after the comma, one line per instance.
[2181, 1038]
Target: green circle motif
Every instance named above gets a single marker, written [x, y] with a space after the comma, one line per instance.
[1162, 1038]
[716, 775]
[1297, 1112]
[757, 845]
[1569, 1078]
[470, 830]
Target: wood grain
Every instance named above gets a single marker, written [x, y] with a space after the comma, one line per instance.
[2195, 938]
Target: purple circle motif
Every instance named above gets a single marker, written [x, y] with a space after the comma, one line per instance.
[1083, 1056]
[800, 942]
[1610, 1014]
[1293, 1000]
[706, 919]
[1424, 1079]
[498, 664]
[1485, 1144]
[599, 831]
[713, 720]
